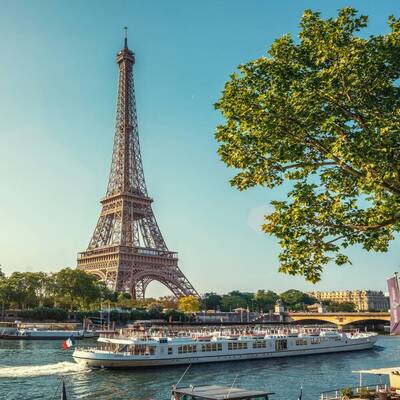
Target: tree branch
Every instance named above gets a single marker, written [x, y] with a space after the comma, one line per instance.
[361, 228]
[307, 164]
[336, 239]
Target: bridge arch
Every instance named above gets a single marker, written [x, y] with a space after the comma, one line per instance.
[339, 319]
[315, 320]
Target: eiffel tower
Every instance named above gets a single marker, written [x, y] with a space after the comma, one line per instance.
[127, 249]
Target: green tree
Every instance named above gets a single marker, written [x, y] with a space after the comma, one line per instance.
[265, 300]
[24, 289]
[346, 306]
[211, 301]
[76, 289]
[40, 286]
[323, 116]
[123, 300]
[296, 300]
[4, 296]
[107, 294]
[235, 299]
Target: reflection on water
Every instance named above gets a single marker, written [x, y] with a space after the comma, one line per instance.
[31, 370]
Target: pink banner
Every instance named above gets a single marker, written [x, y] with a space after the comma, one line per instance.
[394, 297]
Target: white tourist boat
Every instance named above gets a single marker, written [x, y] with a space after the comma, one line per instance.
[121, 351]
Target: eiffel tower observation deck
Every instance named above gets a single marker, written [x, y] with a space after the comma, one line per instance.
[127, 249]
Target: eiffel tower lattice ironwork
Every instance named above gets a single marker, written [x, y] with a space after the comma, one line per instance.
[127, 249]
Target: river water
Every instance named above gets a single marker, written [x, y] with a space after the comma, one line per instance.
[32, 370]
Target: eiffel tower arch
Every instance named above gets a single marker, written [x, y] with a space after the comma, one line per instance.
[127, 249]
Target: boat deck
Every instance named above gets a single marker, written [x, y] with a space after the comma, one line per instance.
[213, 392]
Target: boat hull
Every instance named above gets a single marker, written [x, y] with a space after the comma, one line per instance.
[21, 337]
[111, 360]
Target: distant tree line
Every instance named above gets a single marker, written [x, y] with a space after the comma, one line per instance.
[265, 300]
[71, 290]
[262, 300]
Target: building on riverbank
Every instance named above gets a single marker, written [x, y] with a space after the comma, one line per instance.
[364, 300]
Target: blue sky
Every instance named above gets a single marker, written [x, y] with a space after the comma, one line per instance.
[57, 106]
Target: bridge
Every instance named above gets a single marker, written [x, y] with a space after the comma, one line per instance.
[339, 319]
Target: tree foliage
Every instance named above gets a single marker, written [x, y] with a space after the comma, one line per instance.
[296, 300]
[211, 301]
[188, 304]
[346, 306]
[236, 299]
[322, 115]
[265, 300]
[25, 289]
[68, 288]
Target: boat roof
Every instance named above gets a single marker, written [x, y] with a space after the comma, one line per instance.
[213, 392]
[380, 371]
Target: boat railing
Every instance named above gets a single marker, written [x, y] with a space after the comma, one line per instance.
[89, 348]
[343, 393]
[127, 336]
[156, 334]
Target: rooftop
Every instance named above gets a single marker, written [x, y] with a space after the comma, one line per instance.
[220, 392]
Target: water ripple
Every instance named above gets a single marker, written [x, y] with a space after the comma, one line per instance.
[32, 371]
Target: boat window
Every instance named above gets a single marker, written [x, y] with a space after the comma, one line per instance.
[211, 347]
[112, 347]
[315, 340]
[142, 350]
[187, 348]
[280, 344]
[259, 344]
[301, 342]
[122, 348]
[170, 350]
[150, 350]
[237, 345]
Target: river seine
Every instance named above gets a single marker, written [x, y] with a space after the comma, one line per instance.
[32, 370]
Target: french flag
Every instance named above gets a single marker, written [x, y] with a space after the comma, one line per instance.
[68, 343]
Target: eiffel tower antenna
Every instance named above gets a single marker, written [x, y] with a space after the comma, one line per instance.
[127, 249]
